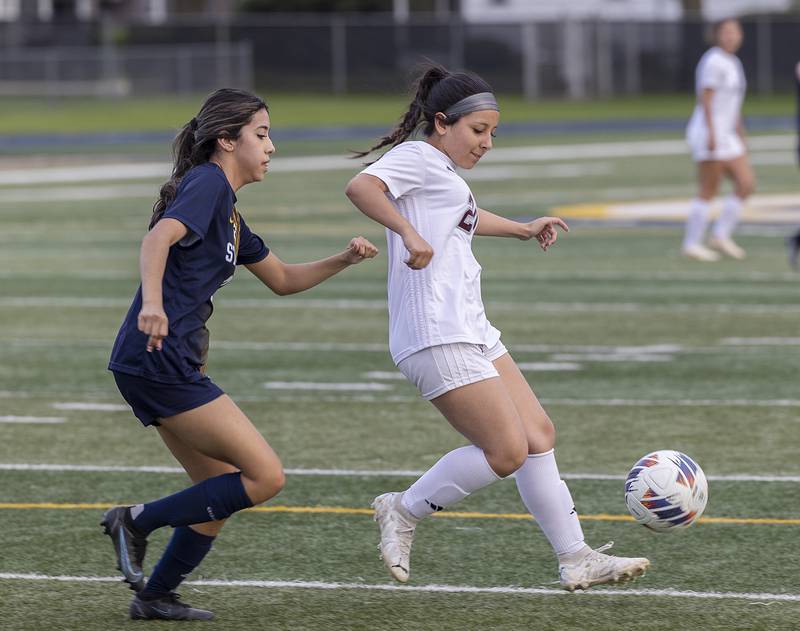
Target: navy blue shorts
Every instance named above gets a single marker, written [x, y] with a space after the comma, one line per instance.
[152, 400]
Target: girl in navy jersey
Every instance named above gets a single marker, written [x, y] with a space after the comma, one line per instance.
[196, 239]
[441, 340]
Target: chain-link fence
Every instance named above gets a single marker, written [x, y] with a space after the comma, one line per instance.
[356, 53]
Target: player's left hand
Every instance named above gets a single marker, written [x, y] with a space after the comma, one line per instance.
[358, 250]
[544, 230]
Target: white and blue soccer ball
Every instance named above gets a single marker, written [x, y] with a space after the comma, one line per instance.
[666, 491]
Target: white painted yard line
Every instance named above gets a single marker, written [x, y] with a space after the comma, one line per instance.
[75, 193]
[440, 589]
[336, 347]
[761, 341]
[612, 357]
[35, 420]
[645, 277]
[344, 304]
[90, 407]
[385, 374]
[676, 402]
[299, 164]
[623, 149]
[324, 385]
[555, 366]
[553, 171]
[370, 473]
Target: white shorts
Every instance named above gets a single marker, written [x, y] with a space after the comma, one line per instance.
[729, 146]
[439, 369]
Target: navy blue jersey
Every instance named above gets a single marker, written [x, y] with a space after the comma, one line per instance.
[199, 264]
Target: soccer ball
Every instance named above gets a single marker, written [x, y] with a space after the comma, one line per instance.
[666, 491]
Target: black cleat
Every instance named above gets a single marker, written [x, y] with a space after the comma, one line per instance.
[168, 607]
[129, 545]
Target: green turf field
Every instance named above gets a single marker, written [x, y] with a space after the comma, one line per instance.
[24, 115]
[665, 353]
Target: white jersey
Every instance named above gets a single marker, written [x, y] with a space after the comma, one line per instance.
[441, 303]
[723, 73]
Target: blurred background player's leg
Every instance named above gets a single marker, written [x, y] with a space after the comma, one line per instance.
[709, 174]
[793, 242]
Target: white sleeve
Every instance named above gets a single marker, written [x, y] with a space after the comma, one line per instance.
[402, 169]
[712, 74]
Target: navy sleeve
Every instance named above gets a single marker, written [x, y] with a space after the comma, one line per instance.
[199, 195]
[251, 247]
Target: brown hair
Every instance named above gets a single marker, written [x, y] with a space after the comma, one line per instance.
[222, 115]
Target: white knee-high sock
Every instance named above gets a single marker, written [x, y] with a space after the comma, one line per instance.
[456, 475]
[547, 498]
[728, 218]
[696, 223]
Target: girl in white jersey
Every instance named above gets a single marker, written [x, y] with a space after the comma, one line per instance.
[716, 136]
[440, 337]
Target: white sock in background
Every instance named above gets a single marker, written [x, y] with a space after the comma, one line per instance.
[456, 475]
[547, 498]
[696, 223]
[728, 218]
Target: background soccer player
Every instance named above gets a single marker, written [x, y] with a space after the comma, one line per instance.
[715, 134]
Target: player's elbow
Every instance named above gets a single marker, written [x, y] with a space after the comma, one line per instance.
[355, 189]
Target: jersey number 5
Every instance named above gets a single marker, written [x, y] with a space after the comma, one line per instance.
[230, 254]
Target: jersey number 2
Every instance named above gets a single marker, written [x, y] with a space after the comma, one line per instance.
[467, 223]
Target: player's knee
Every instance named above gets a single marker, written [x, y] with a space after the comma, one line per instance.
[508, 459]
[209, 528]
[745, 189]
[544, 438]
[268, 482]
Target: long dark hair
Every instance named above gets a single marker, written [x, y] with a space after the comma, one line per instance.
[436, 90]
[222, 115]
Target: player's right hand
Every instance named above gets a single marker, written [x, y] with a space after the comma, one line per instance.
[153, 323]
[420, 252]
[712, 142]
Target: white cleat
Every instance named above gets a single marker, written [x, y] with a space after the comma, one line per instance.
[597, 568]
[728, 247]
[700, 253]
[397, 532]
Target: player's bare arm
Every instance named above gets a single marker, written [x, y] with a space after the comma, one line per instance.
[288, 278]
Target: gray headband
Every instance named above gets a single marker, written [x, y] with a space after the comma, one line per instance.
[473, 103]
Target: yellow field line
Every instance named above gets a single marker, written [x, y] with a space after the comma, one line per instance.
[341, 510]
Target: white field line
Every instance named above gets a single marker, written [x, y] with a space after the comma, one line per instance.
[384, 374]
[645, 277]
[642, 358]
[36, 420]
[373, 398]
[760, 341]
[618, 402]
[75, 193]
[367, 473]
[325, 385]
[546, 172]
[556, 366]
[90, 407]
[439, 589]
[382, 347]
[540, 153]
[345, 304]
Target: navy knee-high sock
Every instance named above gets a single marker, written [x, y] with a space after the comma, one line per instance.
[184, 552]
[209, 500]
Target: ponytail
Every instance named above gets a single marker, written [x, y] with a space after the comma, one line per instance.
[415, 114]
[222, 115]
[436, 91]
